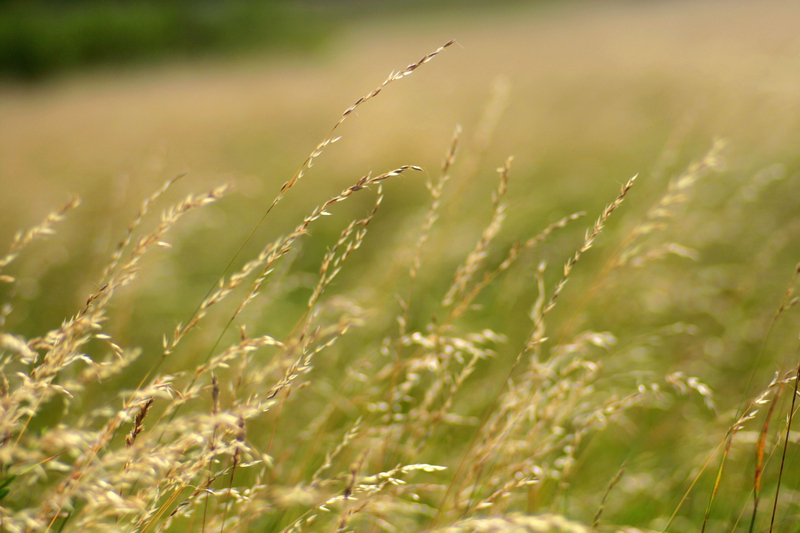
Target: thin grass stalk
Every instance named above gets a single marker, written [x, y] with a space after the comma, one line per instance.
[788, 301]
[717, 481]
[587, 243]
[611, 485]
[331, 259]
[780, 434]
[430, 218]
[493, 111]
[785, 447]
[536, 337]
[284, 245]
[235, 460]
[691, 486]
[735, 427]
[215, 408]
[21, 241]
[760, 445]
[329, 139]
[308, 163]
[277, 418]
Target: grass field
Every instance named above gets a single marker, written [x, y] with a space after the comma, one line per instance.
[455, 373]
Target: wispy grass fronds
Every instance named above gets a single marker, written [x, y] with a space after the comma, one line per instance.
[22, 240]
[476, 257]
[335, 257]
[511, 419]
[39, 383]
[394, 76]
[269, 255]
[512, 257]
[587, 243]
[435, 191]
[677, 195]
[135, 223]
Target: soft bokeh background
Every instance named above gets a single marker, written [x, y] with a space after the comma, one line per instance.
[587, 94]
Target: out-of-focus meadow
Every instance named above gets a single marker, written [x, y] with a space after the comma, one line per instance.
[662, 338]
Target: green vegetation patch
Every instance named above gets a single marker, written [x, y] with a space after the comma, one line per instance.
[39, 39]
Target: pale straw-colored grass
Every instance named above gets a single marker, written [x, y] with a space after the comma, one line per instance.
[367, 416]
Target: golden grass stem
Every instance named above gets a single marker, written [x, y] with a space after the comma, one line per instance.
[611, 485]
[717, 481]
[760, 446]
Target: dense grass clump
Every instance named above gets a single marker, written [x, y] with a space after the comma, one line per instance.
[431, 379]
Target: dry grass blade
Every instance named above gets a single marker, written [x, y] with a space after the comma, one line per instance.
[788, 302]
[717, 481]
[240, 436]
[632, 251]
[588, 241]
[431, 216]
[138, 423]
[760, 445]
[331, 259]
[266, 259]
[492, 113]
[21, 241]
[783, 454]
[611, 485]
[749, 413]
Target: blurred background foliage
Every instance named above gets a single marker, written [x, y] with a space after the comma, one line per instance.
[41, 38]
